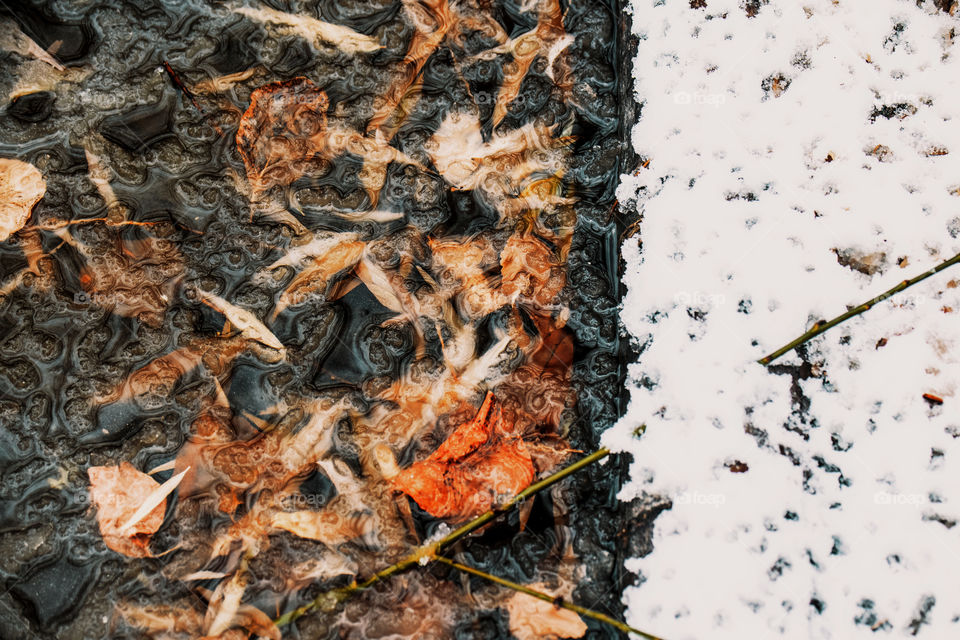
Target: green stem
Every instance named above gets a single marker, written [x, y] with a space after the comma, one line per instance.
[560, 602]
[821, 326]
[428, 552]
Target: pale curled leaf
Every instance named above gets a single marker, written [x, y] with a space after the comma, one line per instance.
[317, 247]
[224, 605]
[325, 526]
[157, 497]
[244, 320]
[166, 466]
[21, 187]
[378, 282]
[534, 619]
[314, 30]
[204, 575]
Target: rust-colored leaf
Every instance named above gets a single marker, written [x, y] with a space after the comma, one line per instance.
[284, 127]
[478, 466]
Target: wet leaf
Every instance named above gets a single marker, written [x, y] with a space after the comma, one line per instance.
[156, 498]
[548, 40]
[162, 619]
[315, 31]
[477, 467]
[21, 187]
[502, 169]
[224, 605]
[284, 135]
[244, 320]
[534, 619]
[317, 277]
[326, 526]
[118, 492]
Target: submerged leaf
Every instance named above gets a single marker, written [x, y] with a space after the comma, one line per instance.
[244, 320]
[224, 605]
[533, 619]
[314, 30]
[477, 467]
[118, 492]
[157, 497]
[21, 187]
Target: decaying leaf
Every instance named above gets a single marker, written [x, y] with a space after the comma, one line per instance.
[21, 187]
[224, 605]
[281, 131]
[477, 467]
[535, 619]
[548, 40]
[531, 272]
[501, 168]
[317, 277]
[284, 135]
[315, 31]
[118, 493]
[327, 526]
[245, 321]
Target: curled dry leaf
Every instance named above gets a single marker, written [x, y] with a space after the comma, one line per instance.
[118, 492]
[21, 187]
[224, 605]
[477, 467]
[317, 277]
[534, 619]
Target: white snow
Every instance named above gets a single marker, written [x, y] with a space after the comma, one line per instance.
[842, 524]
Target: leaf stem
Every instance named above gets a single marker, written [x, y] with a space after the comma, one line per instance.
[821, 326]
[427, 553]
[560, 602]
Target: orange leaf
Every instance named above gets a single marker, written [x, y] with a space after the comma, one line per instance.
[118, 492]
[475, 468]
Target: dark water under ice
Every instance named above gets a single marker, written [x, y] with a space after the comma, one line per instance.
[107, 299]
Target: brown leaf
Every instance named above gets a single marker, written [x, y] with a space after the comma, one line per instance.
[21, 187]
[284, 127]
[117, 493]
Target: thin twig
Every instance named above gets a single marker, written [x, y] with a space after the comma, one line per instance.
[559, 602]
[427, 553]
[821, 326]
